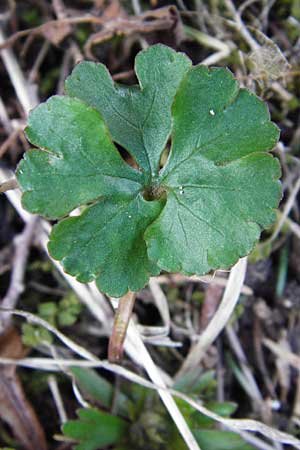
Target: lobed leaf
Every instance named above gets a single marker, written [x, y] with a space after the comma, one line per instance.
[95, 429]
[202, 211]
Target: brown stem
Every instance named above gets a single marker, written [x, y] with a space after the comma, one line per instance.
[122, 317]
[8, 185]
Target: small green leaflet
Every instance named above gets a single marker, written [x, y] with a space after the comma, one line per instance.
[202, 211]
[95, 429]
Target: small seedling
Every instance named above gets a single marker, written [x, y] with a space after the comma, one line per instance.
[201, 211]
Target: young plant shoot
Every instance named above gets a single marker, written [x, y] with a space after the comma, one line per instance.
[202, 211]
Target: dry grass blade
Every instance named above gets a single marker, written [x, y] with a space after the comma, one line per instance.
[135, 342]
[25, 94]
[53, 386]
[36, 320]
[287, 209]
[240, 26]
[157, 384]
[161, 303]
[294, 227]
[48, 29]
[245, 424]
[221, 317]
[236, 425]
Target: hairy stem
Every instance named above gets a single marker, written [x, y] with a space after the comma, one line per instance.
[122, 317]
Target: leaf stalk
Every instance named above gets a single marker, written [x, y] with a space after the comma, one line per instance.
[122, 317]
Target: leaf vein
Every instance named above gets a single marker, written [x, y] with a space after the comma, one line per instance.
[199, 218]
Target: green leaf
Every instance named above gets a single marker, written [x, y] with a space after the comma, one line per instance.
[108, 239]
[224, 409]
[197, 420]
[222, 188]
[196, 382]
[95, 429]
[214, 215]
[203, 210]
[69, 309]
[139, 118]
[33, 335]
[100, 389]
[77, 163]
[220, 440]
[216, 119]
[48, 312]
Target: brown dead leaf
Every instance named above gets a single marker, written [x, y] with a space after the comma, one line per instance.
[56, 32]
[15, 409]
[166, 18]
[114, 22]
[59, 27]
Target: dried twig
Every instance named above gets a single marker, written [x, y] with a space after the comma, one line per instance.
[16, 286]
[240, 26]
